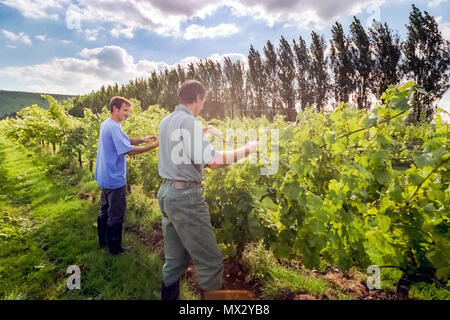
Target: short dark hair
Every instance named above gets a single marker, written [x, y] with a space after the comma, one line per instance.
[189, 90]
[118, 102]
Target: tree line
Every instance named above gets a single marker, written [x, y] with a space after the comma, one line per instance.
[356, 67]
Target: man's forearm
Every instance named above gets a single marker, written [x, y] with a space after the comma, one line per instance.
[224, 158]
[139, 150]
[236, 155]
[135, 141]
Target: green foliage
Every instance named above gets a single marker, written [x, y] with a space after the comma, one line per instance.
[336, 190]
[39, 125]
[257, 261]
[352, 188]
[143, 169]
[142, 211]
[425, 291]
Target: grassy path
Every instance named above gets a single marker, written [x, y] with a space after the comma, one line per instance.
[45, 227]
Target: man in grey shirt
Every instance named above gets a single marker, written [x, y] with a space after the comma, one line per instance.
[183, 153]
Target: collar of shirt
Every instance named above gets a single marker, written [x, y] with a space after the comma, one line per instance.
[183, 108]
[114, 122]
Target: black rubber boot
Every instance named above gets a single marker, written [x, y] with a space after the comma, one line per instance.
[171, 292]
[101, 231]
[114, 238]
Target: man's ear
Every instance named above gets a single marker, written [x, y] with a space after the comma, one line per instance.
[199, 97]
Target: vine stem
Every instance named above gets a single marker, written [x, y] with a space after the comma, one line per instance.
[408, 204]
[363, 129]
[394, 267]
[437, 282]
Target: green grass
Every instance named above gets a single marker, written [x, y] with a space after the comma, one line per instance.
[13, 101]
[143, 211]
[425, 291]
[285, 282]
[280, 282]
[419, 291]
[45, 227]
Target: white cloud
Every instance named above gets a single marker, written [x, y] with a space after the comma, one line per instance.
[94, 68]
[36, 9]
[21, 37]
[195, 31]
[444, 27]
[216, 58]
[110, 57]
[234, 57]
[164, 17]
[123, 31]
[10, 46]
[188, 60]
[46, 89]
[304, 13]
[435, 3]
[132, 15]
[42, 37]
[91, 34]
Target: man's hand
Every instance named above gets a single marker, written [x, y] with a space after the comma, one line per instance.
[139, 150]
[252, 146]
[205, 129]
[156, 143]
[214, 131]
[224, 158]
[136, 141]
[150, 138]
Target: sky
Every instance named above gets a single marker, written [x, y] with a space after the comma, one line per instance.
[74, 47]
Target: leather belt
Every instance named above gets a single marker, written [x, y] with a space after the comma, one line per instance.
[181, 181]
[181, 184]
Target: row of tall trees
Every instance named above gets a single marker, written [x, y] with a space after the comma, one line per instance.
[356, 67]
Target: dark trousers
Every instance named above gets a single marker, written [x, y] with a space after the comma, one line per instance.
[110, 219]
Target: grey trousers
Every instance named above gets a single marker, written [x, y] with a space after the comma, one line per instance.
[187, 231]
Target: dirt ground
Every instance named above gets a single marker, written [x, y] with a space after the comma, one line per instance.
[234, 276]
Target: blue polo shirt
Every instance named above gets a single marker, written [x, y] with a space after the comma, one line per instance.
[113, 145]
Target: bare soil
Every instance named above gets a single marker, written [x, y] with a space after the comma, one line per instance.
[234, 276]
[153, 239]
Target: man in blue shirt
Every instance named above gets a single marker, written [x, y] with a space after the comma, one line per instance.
[111, 173]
